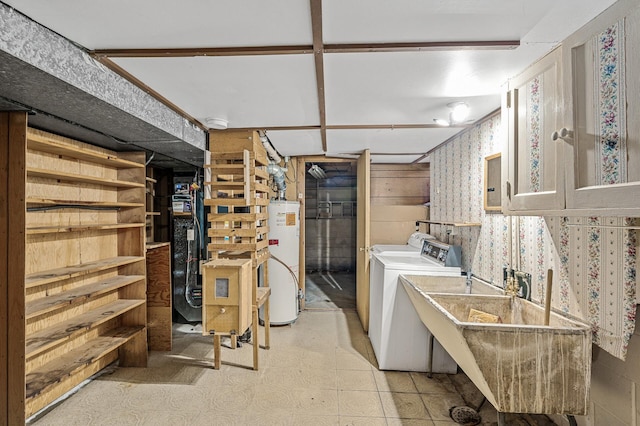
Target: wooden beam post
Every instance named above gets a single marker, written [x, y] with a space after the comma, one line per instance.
[13, 140]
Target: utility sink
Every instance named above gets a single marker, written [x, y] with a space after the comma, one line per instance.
[520, 365]
[455, 285]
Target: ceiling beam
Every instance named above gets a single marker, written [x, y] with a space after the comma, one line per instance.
[422, 46]
[203, 51]
[352, 127]
[393, 126]
[318, 53]
[305, 49]
[276, 128]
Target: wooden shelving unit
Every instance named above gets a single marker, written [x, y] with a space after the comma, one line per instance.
[237, 191]
[85, 273]
[239, 196]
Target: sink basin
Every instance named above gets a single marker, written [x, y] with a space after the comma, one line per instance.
[456, 285]
[520, 365]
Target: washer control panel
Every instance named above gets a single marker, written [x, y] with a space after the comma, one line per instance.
[442, 253]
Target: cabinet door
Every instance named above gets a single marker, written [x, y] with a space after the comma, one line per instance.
[602, 83]
[534, 172]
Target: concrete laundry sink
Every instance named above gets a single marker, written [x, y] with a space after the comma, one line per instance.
[455, 285]
[520, 365]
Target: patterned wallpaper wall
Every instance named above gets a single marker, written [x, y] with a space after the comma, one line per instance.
[594, 267]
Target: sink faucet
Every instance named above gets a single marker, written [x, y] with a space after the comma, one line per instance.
[512, 288]
[469, 282]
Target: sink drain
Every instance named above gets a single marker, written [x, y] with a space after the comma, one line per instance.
[464, 415]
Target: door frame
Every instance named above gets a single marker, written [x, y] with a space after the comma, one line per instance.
[300, 195]
[363, 237]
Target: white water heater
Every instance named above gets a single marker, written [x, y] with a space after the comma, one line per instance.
[284, 246]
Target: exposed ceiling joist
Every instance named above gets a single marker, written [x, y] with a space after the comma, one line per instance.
[276, 128]
[356, 127]
[423, 46]
[318, 52]
[203, 51]
[391, 126]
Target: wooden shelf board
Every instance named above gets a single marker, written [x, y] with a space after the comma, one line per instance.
[261, 201]
[54, 372]
[255, 225]
[41, 143]
[150, 179]
[238, 186]
[237, 246]
[79, 228]
[233, 155]
[237, 217]
[53, 336]
[59, 274]
[237, 232]
[262, 294]
[78, 295]
[250, 201]
[72, 177]
[50, 202]
[258, 257]
[262, 174]
[155, 245]
[222, 185]
[153, 213]
[226, 202]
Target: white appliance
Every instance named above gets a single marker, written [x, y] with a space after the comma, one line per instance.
[414, 244]
[399, 339]
[284, 246]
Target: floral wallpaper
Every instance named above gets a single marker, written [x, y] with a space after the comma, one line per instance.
[534, 126]
[594, 260]
[610, 102]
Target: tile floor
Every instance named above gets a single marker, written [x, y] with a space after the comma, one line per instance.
[320, 370]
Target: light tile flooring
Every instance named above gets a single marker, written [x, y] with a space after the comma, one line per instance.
[320, 370]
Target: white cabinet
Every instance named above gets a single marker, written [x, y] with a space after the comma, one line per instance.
[533, 166]
[573, 133]
[602, 64]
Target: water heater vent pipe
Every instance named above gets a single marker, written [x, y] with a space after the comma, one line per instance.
[271, 152]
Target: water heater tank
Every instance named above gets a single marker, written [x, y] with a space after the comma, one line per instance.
[284, 244]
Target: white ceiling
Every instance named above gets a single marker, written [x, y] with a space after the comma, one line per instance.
[376, 100]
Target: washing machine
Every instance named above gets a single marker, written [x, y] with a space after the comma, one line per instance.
[414, 244]
[399, 339]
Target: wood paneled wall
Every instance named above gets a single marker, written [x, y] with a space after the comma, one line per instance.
[399, 184]
[13, 139]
